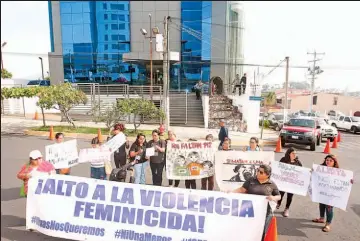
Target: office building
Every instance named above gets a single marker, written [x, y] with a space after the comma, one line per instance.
[101, 41]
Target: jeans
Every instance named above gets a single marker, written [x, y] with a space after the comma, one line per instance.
[207, 183]
[288, 199]
[198, 94]
[98, 173]
[329, 210]
[140, 170]
[157, 170]
[190, 184]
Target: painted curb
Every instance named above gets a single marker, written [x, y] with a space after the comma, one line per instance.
[90, 136]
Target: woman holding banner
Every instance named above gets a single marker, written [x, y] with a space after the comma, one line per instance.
[157, 161]
[262, 185]
[59, 138]
[330, 161]
[97, 169]
[171, 137]
[120, 154]
[137, 152]
[291, 159]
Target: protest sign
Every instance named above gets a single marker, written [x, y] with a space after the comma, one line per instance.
[115, 142]
[190, 160]
[331, 186]
[62, 155]
[290, 178]
[94, 155]
[233, 168]
[150, 151]
[89, 209]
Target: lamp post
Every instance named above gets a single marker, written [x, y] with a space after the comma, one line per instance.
[2, 62]
[144, 32]
[42, 68]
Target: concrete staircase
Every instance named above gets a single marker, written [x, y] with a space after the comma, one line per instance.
[186, 110]
[221, 107]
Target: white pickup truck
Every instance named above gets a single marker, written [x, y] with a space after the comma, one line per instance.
[348, 123]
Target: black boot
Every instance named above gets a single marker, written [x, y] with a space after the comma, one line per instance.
[132, 179]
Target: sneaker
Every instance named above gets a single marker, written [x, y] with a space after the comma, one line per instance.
[286, 213]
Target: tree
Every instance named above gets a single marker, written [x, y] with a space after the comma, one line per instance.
[138, 109]
[62, 97]
[47, 78]
[109, 116]
[270, 99]
[5, 74]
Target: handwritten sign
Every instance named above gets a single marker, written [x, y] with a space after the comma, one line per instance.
[190, 160]
[150, 151]
[94, 155]
[233, 168]
[331, 186]
[290, 178]
[62, 155]
[107, 211]
[115, 142]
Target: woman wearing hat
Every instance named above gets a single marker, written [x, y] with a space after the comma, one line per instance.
[34, 167]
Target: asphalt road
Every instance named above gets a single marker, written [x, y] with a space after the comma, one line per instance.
[346, 225]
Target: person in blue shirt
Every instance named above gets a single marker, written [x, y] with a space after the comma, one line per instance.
[223, 133]
[253, 145]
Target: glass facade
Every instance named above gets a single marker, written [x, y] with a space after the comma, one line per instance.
[96, 34]
[195, 42]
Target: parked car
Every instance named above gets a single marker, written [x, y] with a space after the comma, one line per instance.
[327, 131]
[39, 83]
[347, 123]
[276, 121]
[301, 130]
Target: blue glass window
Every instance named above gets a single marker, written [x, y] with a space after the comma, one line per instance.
[189, 5]
[106, 37]
[105, 16]
[106, 56]
[114, 26]
[65, 8]
[78, 33]
[86, 18]
[86, 6]
[106, 47]
[118, 37]
[76, 7]
[105, 6]
[106, 26]
[114, 6]
[67, 33]
[66, 18]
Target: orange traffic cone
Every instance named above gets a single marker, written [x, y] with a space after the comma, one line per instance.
[327, 147]
[334, 145]
[36, 116]
[100, 136]
[271, 234]
[51, 135]
[278, 145]
[338, 137]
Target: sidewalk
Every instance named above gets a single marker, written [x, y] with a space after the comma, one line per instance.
[20, 125]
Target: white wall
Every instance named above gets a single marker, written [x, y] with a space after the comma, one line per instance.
[24, 105]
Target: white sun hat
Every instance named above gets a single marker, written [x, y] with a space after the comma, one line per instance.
[35, 154]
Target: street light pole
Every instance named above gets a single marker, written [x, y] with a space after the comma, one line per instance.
[42, 68]
[2, 61]
[151, 60]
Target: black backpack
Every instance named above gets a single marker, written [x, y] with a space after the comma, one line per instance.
[119, 174]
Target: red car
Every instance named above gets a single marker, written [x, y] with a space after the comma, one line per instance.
[302, 131]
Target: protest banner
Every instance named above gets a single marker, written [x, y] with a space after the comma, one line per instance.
[331, 186]
[233, 168]
[290, 178]
[94, 155]
[89, 209]
[115, 142]
[62, 155]
[190, 160]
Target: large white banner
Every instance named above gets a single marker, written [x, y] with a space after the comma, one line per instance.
[114, 143]
[290, 178]
[89, 209]
[233, 168]
[190, 160]
[94, 155]
[331, 186]
[62, 155]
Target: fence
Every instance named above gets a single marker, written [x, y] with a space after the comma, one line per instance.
[103, 96]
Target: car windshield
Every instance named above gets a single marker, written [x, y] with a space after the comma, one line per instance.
[322, 122]
[34, 82]
[355, 119]
[302, 123]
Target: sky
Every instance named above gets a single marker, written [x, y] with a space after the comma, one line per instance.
[273, 30]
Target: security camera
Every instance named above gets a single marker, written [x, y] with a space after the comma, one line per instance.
[143, 31]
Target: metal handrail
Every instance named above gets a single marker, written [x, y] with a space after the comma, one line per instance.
[186, 107]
